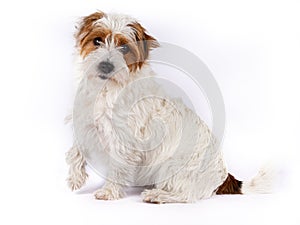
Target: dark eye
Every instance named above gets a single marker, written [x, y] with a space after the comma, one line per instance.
[97, 41]
[124, 49]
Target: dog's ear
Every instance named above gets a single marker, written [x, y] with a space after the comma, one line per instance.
[145, 41]
[84, 26]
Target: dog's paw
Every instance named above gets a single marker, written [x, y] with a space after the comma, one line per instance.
[107, 194]
[159, 196]
[75, 182]
[153, 196]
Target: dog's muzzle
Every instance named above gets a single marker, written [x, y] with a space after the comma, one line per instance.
[105, 67]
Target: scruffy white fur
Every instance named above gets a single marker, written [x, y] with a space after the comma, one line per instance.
[184, 166]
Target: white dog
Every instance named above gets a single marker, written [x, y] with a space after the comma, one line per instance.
[136, 140]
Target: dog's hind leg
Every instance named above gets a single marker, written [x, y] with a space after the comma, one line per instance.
[77, 174]
[187, 185]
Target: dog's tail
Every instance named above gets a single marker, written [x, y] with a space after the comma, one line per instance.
[262, 183]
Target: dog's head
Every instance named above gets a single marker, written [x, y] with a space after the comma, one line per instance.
[111, 43]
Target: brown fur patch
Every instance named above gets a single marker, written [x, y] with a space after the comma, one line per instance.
[230, 186]
[86, 34]
[144, 43]
[87, 44]
[133, 56]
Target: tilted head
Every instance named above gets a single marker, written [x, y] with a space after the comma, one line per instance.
[112, 46]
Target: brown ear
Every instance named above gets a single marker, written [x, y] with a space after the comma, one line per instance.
[85, 26]
[145, 41]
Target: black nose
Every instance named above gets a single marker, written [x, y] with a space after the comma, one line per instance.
[106, 67]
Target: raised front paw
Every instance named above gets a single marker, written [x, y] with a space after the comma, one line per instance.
[76, 181]
[108, 194]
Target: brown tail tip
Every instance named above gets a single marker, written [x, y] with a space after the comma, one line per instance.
[230, 186]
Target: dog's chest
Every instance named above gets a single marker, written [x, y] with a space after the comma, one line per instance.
[127, 125]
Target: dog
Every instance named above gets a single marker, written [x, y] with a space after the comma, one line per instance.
[182, 167]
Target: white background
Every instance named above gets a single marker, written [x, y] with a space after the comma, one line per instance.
[251, 47]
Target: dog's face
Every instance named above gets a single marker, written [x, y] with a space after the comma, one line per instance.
[112, 46]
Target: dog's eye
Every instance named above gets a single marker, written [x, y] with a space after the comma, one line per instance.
[97, 41]
[124, 49]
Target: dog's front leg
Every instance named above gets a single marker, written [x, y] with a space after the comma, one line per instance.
[77, 174]
[110, 191]
[117, 179]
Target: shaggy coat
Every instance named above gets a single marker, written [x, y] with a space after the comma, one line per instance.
[130, 131]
